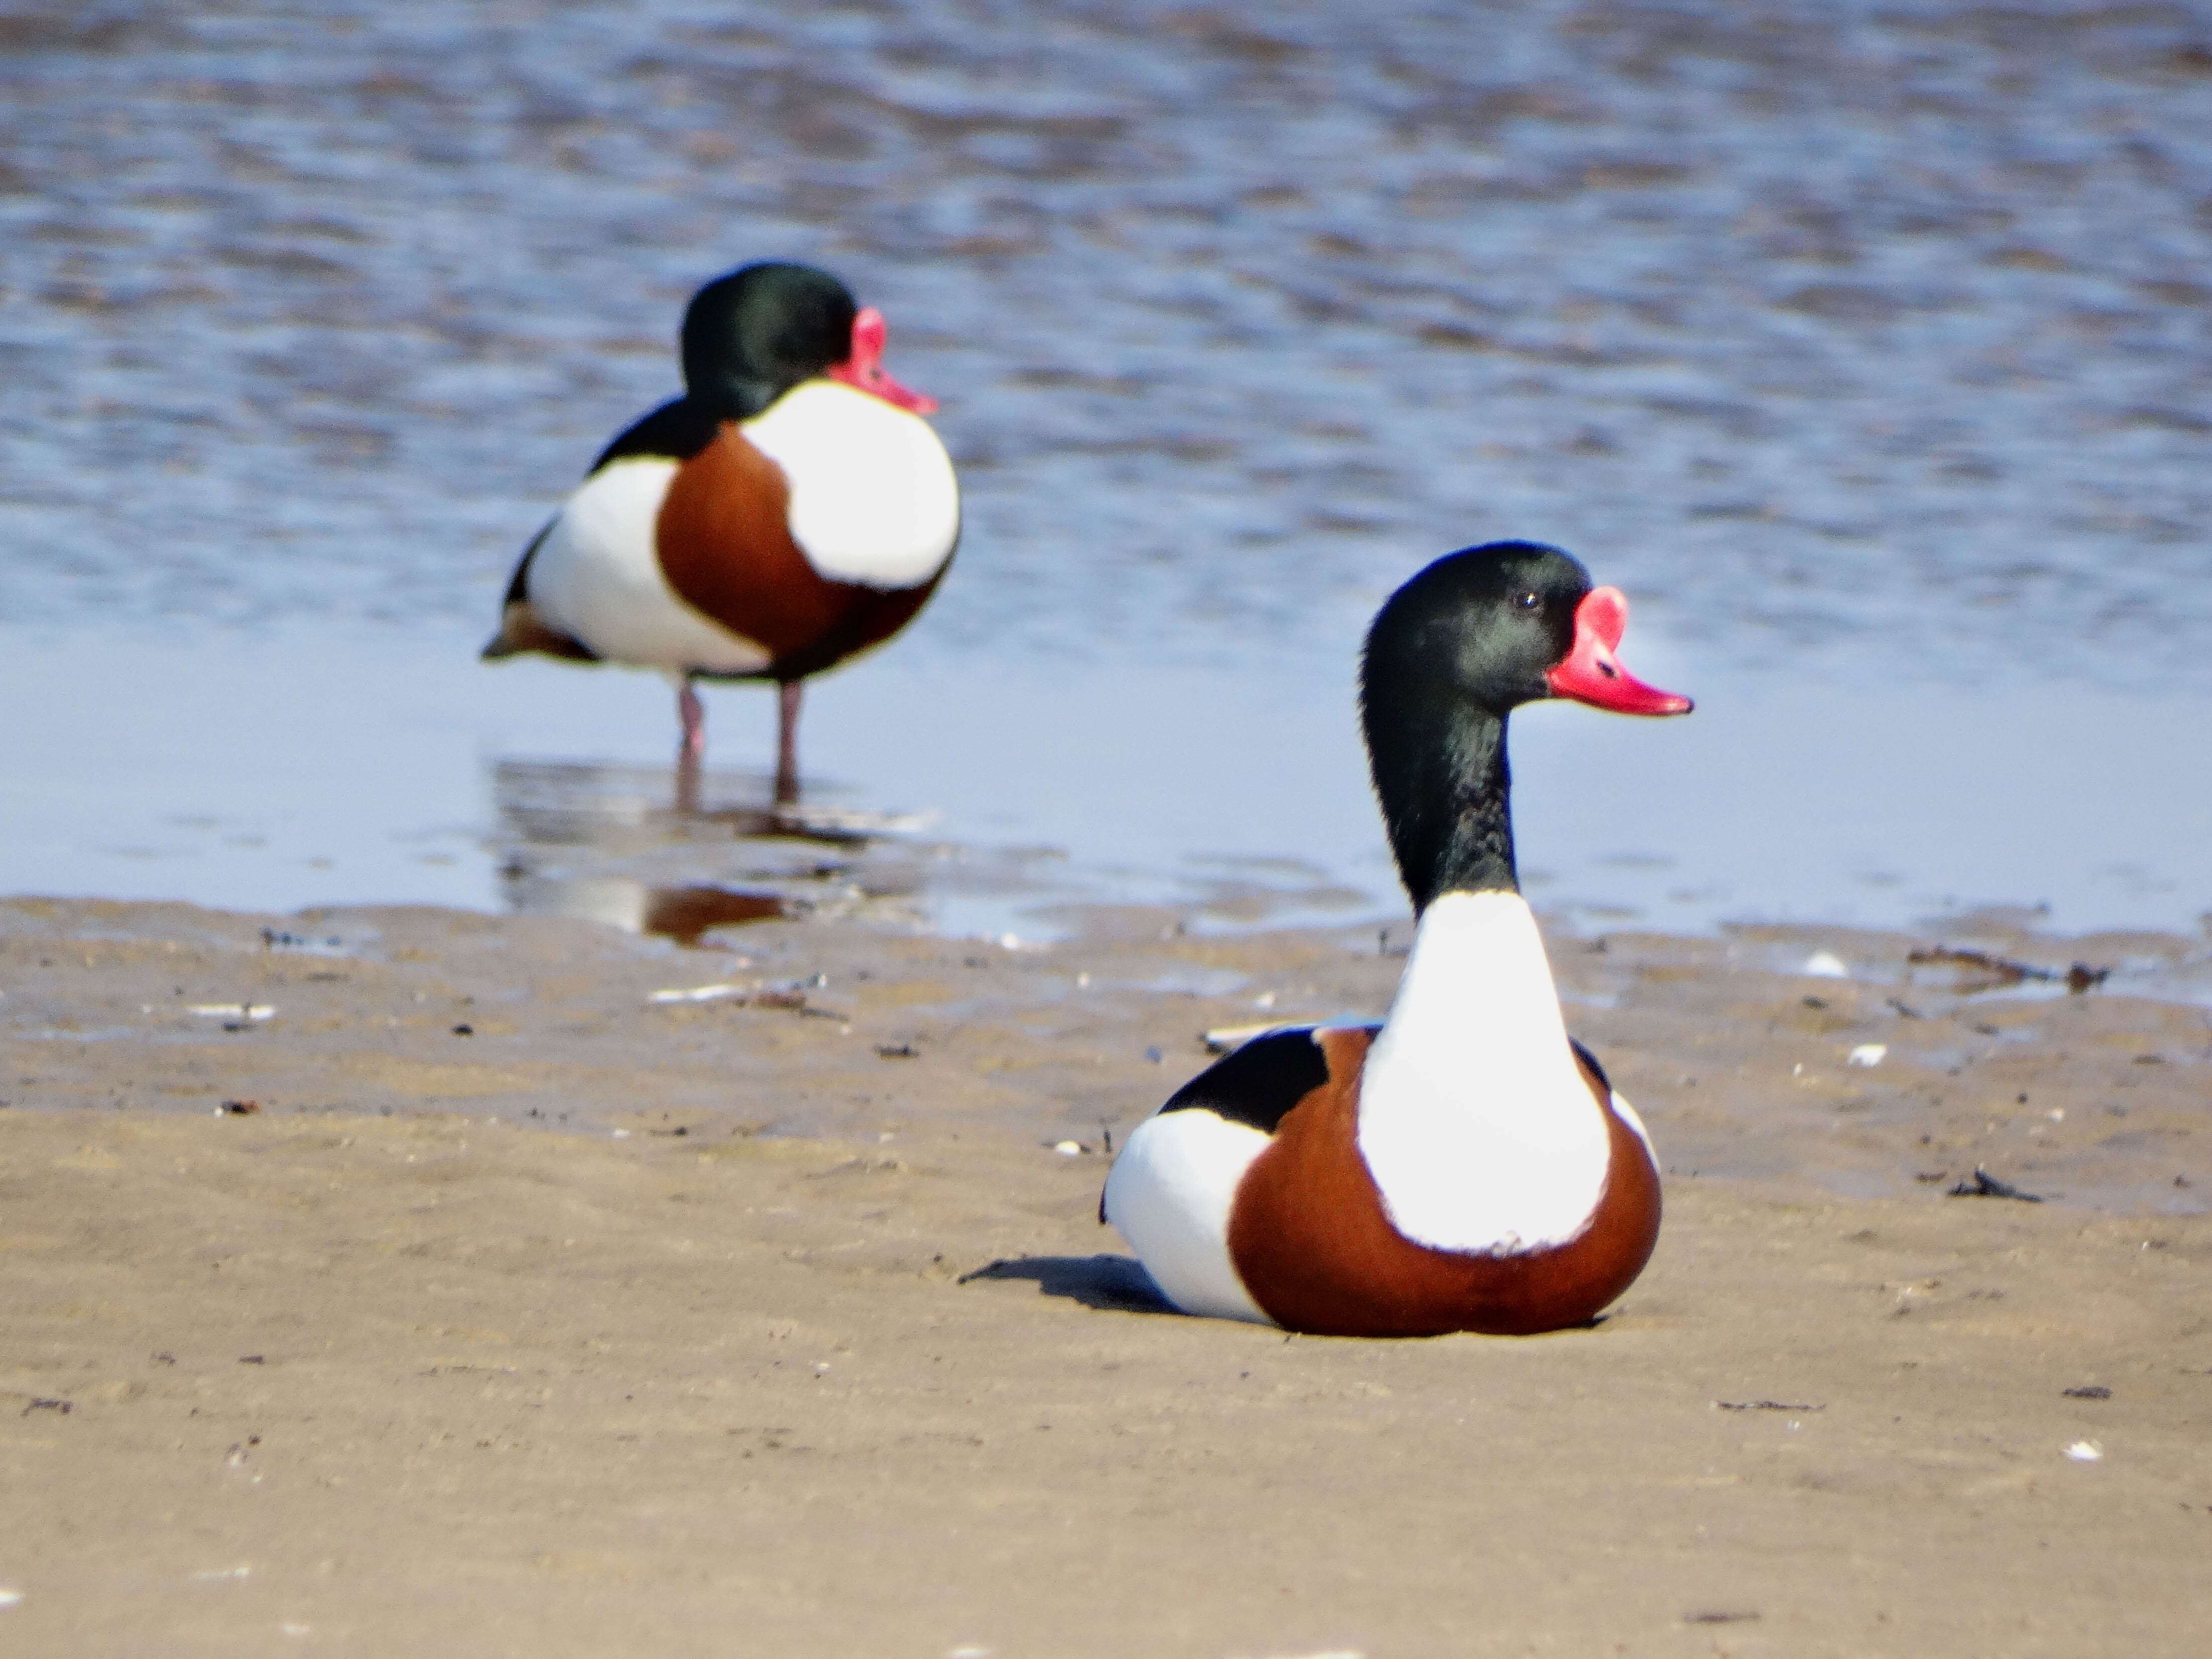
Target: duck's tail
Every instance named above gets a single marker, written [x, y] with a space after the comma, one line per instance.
[521, 629]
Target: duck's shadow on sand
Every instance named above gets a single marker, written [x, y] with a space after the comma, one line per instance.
[1118, 1282]
[1121, 1283]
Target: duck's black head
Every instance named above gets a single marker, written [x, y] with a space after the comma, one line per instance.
[1449, 656]
[751, 336]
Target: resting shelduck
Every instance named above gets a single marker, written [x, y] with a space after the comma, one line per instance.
[1465, 1166]
[790, 509]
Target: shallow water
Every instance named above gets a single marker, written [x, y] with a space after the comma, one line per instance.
[1866, 348]
[351, 766]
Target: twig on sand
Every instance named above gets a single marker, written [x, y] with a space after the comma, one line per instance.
[1980, 971]
[1985, 1185]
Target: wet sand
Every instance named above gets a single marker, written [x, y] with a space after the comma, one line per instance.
[774, 1323]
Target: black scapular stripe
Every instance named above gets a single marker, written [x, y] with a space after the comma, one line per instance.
[676, 431]
[517, 588]
[1591, 1060]
[1259, 1082]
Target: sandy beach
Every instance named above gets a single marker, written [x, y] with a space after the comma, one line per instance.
[464, 1273]
[390, 1278]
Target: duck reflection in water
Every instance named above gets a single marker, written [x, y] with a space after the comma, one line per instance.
[592, 842]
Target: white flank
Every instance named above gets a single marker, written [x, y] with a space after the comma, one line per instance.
[1475, 1122]
[872, 496]
[1168, 1193]
[596, 576]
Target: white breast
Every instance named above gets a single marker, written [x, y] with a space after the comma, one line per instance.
[597, 575]
[1169, 1194]
[1474, 1118]
[872, 496]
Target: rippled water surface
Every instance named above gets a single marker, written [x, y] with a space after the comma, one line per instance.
[1866, 346]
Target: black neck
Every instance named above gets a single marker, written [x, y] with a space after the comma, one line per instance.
[1441, 774]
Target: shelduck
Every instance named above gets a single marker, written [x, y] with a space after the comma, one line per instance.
[1465, 1165]
[790, 510]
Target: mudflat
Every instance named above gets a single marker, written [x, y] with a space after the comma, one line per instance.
[384, 1281]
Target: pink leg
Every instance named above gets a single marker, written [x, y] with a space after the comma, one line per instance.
[693, 713]
[694, 716]
[787, 746]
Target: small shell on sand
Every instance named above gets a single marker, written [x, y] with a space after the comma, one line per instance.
[699, 994]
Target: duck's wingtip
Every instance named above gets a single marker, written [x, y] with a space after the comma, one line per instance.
[520, 632]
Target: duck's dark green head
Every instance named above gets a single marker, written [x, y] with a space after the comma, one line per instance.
[1451, 653]
[751, 336]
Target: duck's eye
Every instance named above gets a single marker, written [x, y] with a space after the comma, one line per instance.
[1526, 601]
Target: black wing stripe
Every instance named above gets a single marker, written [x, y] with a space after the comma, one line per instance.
[1591, 1060]
[518, 590]
[1259, 1082]
[676, 431]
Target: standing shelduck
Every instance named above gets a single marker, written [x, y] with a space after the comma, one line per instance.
[790, 510]
[1465, 1166]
